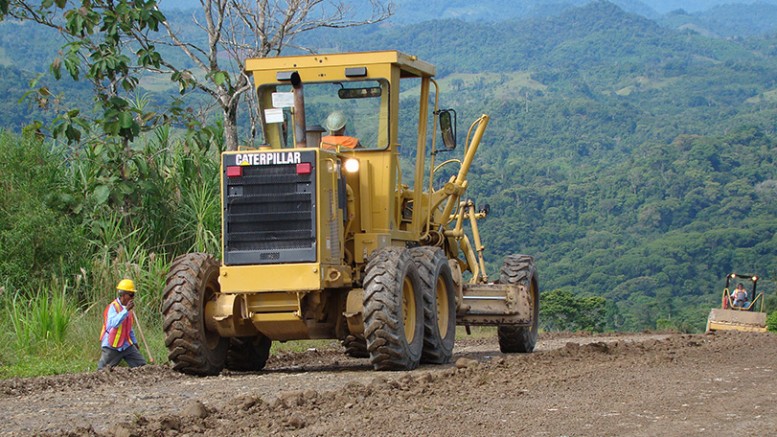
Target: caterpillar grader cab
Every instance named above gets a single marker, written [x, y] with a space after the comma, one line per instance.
[322, 240]
[739, 313]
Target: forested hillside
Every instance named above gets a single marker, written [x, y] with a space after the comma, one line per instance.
[637, 162]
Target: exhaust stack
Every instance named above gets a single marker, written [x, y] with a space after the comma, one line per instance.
[299, 111]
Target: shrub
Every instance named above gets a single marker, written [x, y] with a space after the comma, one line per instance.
[37, 235]
[771, 322]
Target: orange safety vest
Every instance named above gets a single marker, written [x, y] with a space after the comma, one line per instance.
[119, 334]
[330, 142]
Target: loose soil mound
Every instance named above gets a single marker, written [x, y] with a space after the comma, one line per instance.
[670, 385]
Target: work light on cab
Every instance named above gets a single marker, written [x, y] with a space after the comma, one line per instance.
[351, 165]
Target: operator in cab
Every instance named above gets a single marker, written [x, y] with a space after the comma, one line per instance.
[740, 296]
[335, 124]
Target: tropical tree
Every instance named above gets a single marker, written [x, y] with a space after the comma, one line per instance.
[562, 310]
[100, 35]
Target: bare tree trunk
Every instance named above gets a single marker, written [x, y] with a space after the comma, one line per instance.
[230, 126]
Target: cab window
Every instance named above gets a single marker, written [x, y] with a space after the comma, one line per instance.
[364, 103]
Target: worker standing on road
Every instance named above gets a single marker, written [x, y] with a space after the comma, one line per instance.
[117, 337]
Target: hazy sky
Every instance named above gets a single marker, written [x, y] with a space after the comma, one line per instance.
[660, 6]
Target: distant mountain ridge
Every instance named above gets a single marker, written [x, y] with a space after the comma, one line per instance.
[729, 20]
[635, 160]
[413, 11]
[714, 18]
[509, 45]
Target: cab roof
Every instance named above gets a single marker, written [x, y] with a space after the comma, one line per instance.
[409, 65]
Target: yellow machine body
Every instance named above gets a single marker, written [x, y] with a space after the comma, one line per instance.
[356, 213]
[329, 234]
[749, 317]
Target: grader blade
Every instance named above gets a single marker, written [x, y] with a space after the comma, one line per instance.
[496, 304]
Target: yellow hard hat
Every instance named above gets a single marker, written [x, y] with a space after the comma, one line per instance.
[126, 285]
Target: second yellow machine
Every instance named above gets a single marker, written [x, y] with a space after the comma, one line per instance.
[325, 236]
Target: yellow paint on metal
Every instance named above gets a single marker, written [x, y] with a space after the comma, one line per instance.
[354, 307]
[281, 326]
[719, 326]
[272, 302]
[275, 317]
[370, 59]
[409, 308]
[365, 244]
[728, 319]
[270, 277]
[226, 316]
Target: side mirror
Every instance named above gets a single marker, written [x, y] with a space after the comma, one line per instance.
[448, 128]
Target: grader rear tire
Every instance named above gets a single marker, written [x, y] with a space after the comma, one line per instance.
[393, 310]
[190, 284]
[439, 294]
[519, 269]
[248, 354]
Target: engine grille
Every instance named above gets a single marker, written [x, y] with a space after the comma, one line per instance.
[269, 215]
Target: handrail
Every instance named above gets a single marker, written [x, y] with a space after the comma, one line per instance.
[727, 299]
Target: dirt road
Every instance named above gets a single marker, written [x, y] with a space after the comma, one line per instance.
[668, 385]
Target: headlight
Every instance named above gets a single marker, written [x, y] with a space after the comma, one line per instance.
[351, 165]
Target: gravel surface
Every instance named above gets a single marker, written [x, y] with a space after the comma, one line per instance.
[618, 385]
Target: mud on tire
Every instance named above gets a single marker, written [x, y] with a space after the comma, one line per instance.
[393, 310]
[519, 269]
[191, 282]
[439, 304]
[356, 347]
[248, 354]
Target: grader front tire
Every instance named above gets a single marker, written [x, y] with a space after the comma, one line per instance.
[439, 304]
[393, 310]
[191, 282]
[519, 269]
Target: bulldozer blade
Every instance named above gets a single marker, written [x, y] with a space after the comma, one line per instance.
[734, 320]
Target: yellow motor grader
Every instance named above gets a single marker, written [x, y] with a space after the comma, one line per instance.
[328, 241]
[734, 314]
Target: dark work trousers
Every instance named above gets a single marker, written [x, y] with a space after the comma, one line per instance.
[112, 357]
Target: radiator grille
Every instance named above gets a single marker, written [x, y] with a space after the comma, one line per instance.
[269, 215]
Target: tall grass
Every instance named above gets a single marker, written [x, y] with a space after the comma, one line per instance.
[199, 217]
[42, 319]
[93, 214]
[195, 175]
